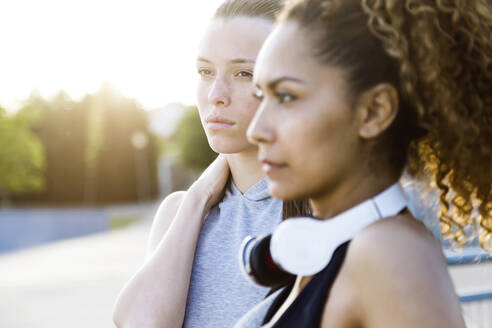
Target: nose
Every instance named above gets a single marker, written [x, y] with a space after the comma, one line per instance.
[219, 94]
[261, 130]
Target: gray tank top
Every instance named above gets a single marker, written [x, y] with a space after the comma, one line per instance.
[219, 293]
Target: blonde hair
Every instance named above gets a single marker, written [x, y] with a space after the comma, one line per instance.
[250, 8]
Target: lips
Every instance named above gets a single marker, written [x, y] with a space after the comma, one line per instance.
[218, 119]
[270, 166]
[217, 122]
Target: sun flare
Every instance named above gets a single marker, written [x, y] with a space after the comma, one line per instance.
[145, 49]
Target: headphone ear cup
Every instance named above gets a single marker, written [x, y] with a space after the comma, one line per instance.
[263, 269]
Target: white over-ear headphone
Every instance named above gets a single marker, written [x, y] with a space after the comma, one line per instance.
[305, 245]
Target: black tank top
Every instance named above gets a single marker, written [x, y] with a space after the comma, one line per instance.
[307, 308]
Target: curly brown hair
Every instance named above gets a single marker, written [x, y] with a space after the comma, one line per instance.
[437, 53]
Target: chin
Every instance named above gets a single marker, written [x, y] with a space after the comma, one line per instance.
[284, 191]
[224, 145]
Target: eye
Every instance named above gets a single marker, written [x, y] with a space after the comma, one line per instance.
[245, 74]
[284, 97]
[204, 72]
[258, 94]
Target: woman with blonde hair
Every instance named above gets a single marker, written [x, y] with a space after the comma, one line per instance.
[352, 93]
[191, 277]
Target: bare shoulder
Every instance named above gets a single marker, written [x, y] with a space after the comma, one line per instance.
[400, 240]
[163, 218]
[400, 275]
[400, 249]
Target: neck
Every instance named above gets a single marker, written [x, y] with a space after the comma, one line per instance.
[245, 169]
[349, 193]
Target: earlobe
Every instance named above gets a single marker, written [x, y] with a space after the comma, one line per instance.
[365, 128]
[378, 110]
[368, 131]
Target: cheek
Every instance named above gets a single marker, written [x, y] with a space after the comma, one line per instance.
[201, 97]
[301, 136]
[314, 143]
[245, 104]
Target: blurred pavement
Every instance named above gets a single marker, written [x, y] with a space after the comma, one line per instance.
[71, 283]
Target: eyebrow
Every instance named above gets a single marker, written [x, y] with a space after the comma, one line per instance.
[241, 61]
[232, 61]
[203, 59]
[273, 84]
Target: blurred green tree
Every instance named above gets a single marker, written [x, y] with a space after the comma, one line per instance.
[191, 143]
[21, 153]
[94, 107]
[125, 173]
[63, 133]
[89, 155]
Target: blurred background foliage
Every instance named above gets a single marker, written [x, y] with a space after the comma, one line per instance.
[190, 141]
[95, 151]
[66, 152]
[21, 154]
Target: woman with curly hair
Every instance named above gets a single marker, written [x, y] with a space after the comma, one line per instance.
[353, 92]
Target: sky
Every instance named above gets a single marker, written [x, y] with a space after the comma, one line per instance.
[145, 49]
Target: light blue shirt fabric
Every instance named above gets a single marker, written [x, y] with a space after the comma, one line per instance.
[219, 293]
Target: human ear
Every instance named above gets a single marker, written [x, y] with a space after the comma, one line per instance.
[377, 109]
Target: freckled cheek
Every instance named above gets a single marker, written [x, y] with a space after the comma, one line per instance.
[201, 91]
[246, 105]
[202, 99]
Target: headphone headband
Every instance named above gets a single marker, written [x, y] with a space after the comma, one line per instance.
[304, 246]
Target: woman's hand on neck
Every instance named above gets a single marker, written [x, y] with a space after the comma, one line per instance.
[245, 169]
[211, 183]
